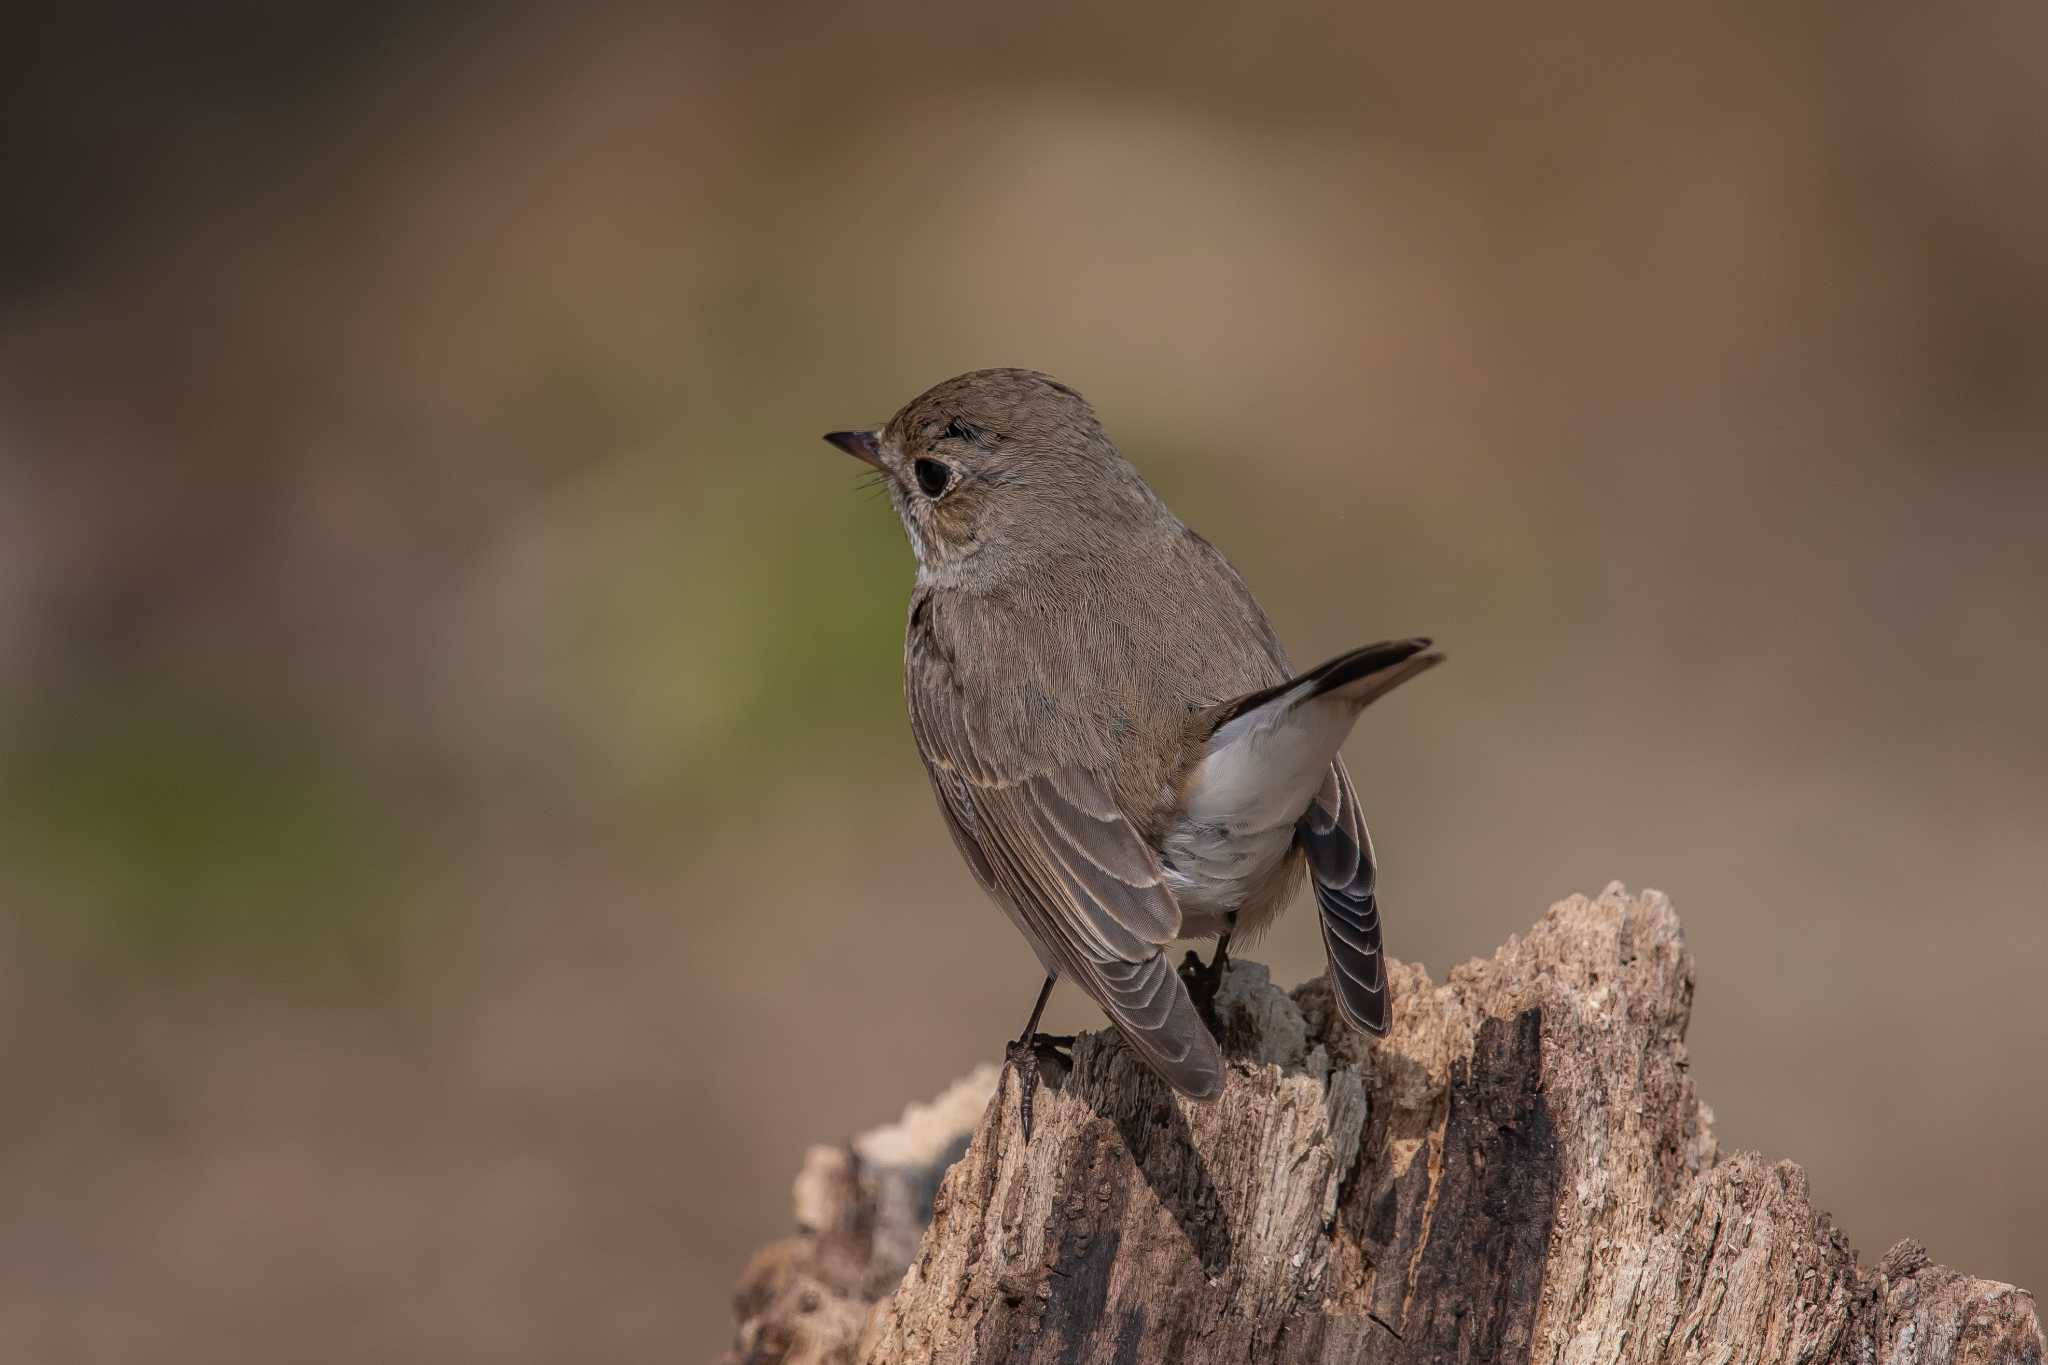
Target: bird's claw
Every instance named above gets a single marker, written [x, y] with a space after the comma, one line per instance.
[1203, 980]
[1024, 1054]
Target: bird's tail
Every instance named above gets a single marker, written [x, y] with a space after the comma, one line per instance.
[1269, 752]
[1360, 676]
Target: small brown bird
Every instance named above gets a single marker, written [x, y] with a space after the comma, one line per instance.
[1116, 739]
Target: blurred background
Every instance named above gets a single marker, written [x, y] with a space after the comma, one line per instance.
[459, 835]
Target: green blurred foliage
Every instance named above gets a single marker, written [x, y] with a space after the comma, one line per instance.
[172, 830]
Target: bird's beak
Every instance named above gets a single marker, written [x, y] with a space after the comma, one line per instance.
[862, 445]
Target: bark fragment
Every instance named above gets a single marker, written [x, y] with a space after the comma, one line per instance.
[1519, 1171]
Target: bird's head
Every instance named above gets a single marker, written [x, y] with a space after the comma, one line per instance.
[994, 470]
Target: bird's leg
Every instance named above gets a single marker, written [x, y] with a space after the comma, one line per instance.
[1204, 981]
[1024, 1054]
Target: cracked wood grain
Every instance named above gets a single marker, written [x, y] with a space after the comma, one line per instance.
[1519, 1171]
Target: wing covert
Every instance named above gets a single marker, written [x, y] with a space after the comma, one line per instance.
[1049, 841]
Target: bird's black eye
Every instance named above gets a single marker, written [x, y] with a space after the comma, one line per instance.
[933, 478]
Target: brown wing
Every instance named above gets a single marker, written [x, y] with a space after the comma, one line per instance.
[1050, 843]
[1340, 862]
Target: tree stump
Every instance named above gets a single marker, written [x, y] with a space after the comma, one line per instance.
[1519, 1171]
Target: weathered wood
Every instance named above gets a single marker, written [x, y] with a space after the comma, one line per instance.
[1519, 1171]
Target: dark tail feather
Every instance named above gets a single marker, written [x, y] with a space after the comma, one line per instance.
[1358, 967]
[1340, 865]
[1364, 674]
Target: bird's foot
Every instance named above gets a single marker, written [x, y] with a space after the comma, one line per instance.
[1025, 1054]
[1204, 980]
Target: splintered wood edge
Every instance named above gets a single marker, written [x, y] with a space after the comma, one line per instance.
[1520, 1168]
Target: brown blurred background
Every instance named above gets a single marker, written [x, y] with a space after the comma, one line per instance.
[459, 836]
